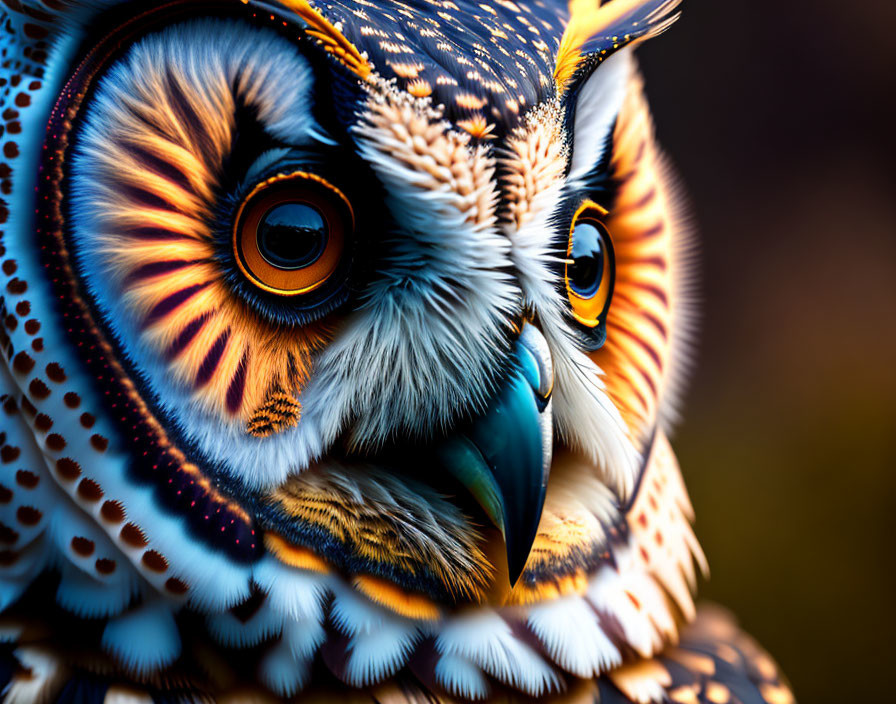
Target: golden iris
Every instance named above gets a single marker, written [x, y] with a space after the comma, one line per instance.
[590, 265]
[290, 233]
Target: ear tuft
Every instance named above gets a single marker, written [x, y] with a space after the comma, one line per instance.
[594, 26]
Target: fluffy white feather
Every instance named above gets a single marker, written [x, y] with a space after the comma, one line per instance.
[87, 597]
[461, 678]
[296, 594]
[282, 672]
[380, 642]
[485, 639]
[304, 637]
[434, 322]
[635, 601]
[143, 640]
[285, 668]
[569, 628]
[232, 632]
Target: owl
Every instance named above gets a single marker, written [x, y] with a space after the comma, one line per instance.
[342, 341]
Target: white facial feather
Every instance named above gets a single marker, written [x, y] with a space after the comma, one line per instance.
[597, 106]
[584, 415]
[433, 325]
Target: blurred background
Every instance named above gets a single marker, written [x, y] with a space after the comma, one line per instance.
[781, 118]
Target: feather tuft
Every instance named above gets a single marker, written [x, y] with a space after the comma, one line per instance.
[621, 21]
[570, 631]
[379, 642]
[487, 640]
[282, 672]
[145, 639]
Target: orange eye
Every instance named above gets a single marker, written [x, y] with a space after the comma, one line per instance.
[590, 266]
[291, 232]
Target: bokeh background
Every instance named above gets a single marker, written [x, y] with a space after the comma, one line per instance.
[781, 118]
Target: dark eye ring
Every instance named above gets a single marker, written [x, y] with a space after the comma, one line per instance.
[290, 233]
[590, 270]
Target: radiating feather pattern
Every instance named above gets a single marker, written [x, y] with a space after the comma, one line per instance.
[598, 590]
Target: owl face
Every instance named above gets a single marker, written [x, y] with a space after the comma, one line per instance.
[383, 293]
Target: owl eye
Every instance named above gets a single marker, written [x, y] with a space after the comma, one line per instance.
[290, 233]
[590, 266]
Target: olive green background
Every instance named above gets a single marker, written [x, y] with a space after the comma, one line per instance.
[781, 119]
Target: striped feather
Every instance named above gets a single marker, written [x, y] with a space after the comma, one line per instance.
[156, 138]
[651, 320]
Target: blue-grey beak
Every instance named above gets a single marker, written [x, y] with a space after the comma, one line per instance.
[504, 456]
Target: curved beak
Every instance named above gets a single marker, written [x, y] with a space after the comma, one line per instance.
[504, 457]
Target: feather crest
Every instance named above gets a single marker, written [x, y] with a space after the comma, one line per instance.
[621, 22]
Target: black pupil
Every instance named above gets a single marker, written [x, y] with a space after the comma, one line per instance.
[587, 267]
[292, 235]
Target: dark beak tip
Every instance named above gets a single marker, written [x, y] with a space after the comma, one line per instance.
[515, 571]
[502, 459]
[519, 550]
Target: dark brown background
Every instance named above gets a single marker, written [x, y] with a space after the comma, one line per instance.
[781, 116]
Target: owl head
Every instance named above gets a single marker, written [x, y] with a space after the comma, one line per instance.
[352, 330]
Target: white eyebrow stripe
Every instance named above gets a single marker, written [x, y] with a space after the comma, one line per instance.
[598, 105]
